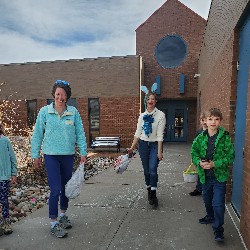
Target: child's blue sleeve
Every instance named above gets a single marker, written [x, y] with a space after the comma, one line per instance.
[12, 159]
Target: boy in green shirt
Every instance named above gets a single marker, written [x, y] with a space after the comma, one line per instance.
[212, 152]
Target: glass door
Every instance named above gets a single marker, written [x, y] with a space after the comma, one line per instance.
[178, 130]
[176, 121]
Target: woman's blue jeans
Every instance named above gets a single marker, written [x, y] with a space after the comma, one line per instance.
[149, 157]
[59, 170]
[213, 193]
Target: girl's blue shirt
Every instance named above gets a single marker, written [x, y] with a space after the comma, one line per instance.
[58, 135]
[8, 162]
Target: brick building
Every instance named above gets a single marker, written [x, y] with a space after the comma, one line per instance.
[104, 90]
[224, 78]
[169, 42]
[107, 90]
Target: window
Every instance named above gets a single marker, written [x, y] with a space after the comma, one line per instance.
[31, 112]
[171, 51]
[94, 118]
[94, 114]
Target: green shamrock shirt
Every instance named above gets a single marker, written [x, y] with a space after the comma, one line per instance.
[222, 158]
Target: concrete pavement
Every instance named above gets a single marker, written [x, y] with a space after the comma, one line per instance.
[112, 212]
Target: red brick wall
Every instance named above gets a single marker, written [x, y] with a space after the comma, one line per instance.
[111, 76]
[172, 18]
[192, 120]
[222, 20]
[119, 118]
[219, 90]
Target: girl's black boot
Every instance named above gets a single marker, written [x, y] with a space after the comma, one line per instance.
[153, 199]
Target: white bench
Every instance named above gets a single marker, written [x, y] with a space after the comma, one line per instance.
[106, 142]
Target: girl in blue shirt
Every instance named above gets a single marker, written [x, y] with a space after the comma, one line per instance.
[8, 172]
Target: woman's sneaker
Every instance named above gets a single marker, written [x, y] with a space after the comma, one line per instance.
[7, 226]
[58, 231]
[1, 227]
[65, 222]
[1, 230]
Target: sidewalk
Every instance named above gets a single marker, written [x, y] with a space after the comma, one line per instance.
[112, 212]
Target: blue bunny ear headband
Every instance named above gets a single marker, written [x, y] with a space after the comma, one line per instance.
[145, 90]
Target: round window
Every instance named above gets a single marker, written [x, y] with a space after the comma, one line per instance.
[171, 51]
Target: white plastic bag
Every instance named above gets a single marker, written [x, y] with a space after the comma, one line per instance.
[74, 185]
[121, 163]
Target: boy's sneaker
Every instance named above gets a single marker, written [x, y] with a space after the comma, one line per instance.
[7, 226]
[195, 193]
[206, 220]
[218, 236]
[58, 231]
[65, 222]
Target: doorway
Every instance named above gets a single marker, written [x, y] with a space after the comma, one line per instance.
[176, 120]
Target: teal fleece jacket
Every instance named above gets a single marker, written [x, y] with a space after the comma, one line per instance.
[58, 135]
[8, 162]
[222, 158]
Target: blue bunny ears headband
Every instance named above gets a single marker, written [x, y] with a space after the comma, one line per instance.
[145, 90]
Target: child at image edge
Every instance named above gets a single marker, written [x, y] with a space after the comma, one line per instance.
[8, 172]
[213, 152]
[203, 124]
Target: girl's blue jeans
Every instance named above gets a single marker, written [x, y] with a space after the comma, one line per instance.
[149, 157]
[4, 193]
[213, 193]
[59, 170]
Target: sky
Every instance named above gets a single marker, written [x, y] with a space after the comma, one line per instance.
[49, 30]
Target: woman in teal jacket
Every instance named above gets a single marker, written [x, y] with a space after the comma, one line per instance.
[57, 131]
